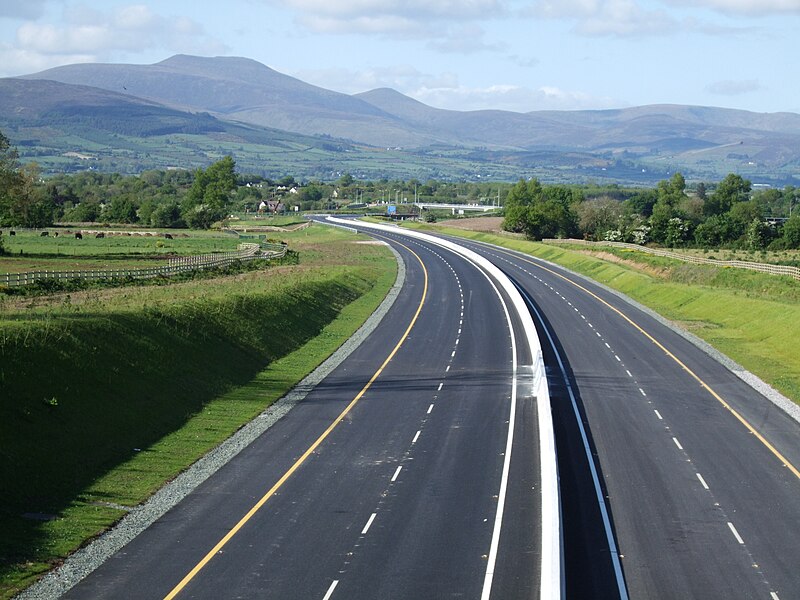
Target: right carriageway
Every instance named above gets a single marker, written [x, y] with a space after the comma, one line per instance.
[699, 472]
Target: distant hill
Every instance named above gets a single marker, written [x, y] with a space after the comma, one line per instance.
[208, 96]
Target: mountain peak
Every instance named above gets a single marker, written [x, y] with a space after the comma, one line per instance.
[225, 67]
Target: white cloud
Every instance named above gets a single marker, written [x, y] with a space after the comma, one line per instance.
[391, 18]
[734, 88]
[510, 97]
[88, 35]
[744, 7]
[465, 39]
[620, 18]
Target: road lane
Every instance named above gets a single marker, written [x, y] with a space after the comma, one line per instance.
[702, 507]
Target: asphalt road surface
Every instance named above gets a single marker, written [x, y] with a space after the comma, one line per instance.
[384, 482]
[700, 472]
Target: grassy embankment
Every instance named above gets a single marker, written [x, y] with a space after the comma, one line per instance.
[752, 318]
[106, 394]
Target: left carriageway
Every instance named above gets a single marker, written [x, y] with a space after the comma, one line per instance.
[414, 470]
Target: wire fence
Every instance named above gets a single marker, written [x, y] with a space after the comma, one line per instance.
[698, 260]
[245, 252]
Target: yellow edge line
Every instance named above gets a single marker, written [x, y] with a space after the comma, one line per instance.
[211, 553]
[707, 387]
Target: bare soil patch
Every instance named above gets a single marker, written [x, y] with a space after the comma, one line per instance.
[485, 224]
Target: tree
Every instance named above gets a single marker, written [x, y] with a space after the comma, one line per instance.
[599, 215]
[730, 190]
[9, 179]
[671, 195]
[121, 209]
[540, 212]
[758, 235]
[791, 232]
[210, 195]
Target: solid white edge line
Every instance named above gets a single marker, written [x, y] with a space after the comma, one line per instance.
[735, 533]
[369, 523]
[329, 593]
[396, 473]
[551, 559]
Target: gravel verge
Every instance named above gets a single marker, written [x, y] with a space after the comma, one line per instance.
[87, 559]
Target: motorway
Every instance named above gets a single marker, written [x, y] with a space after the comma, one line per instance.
[699, 471]
[677, 480]
[385, 482]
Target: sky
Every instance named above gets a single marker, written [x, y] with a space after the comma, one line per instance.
[520, 55]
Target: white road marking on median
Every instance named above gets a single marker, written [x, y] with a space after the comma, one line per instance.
[447, 369]
[774, 596]
[396, 473]
[440, 387]
[369, 523]
[618, 358]
[416, 437]
[642, 391]
[430, 408]
[453, 354]
[329, 593]
[702, 481]
[628, 372]
[658, 414]
[735, 533]
[607, 346]
[677, 443]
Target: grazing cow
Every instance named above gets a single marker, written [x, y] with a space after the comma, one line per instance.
[55, 234]
[78, 235]
[100, 235]
[168, 236]
[44, 234]
[12, 232]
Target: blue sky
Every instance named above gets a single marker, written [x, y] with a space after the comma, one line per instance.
[519, 55]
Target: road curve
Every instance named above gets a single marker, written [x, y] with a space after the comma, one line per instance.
[700, 470]
[385, 482]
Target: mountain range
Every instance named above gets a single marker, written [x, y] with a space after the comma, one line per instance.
[191, 109]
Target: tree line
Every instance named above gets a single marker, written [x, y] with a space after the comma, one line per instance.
[729, 213]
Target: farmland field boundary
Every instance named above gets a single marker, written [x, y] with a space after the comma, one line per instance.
[245, 252]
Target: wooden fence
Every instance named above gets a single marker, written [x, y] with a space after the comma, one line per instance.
[699, 260]
[245, 252]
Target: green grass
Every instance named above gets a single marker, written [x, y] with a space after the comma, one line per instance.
[751, 317]
[107, 395]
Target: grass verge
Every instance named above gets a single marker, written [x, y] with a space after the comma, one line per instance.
[105, 398]
[751, 317]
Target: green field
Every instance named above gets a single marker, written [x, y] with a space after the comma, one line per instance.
[106, 394]
[28, 250]
[751, 317]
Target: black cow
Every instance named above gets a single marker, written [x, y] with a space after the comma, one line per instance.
[44, 234]
[168, 236]
[100, 235]
[78, 235]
